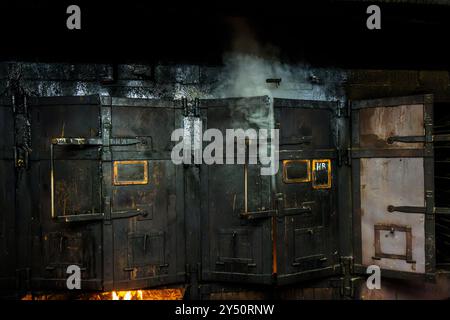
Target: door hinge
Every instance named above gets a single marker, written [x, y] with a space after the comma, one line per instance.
[346, 263]
[343, 109]
[347, 283]
[191, 108]
[22, 126]
[348, 287]
[344, 157]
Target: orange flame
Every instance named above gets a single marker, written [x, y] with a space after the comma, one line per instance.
[154, 294]
[127, 295]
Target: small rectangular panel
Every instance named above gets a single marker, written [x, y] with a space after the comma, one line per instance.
[393, 242]
[235, 245]
[77, 187]
[130, 172]
[321, 174]
[61, 249]
[145, 249]
[309, 244]
[295, 171]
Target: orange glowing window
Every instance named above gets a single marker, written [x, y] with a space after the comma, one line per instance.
[321, 174]
[130, 172]
[296, 171]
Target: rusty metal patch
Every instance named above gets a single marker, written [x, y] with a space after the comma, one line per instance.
[125, 172]
[393, 228]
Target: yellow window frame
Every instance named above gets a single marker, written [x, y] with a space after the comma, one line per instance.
[118, 182]
[308, 168]
[321, 186]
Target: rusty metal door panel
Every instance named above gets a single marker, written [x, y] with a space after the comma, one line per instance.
[75, 191]
[146, 194]
[378, 124]
[306, 242]
[7, 197]
[392, 182]
[393, 185]
[235, 248]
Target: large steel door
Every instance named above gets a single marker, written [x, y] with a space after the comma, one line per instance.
[147, 194]
[103, 193]
[61, 191]
[272, 229]
[393, 185]
[306, 228]
[236, 201]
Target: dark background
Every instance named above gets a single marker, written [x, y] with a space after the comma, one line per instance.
[325, 33]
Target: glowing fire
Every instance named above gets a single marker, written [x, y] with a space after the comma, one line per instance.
[154, 294]
[127, 295]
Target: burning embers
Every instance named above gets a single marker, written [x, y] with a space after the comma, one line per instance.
[155, 294]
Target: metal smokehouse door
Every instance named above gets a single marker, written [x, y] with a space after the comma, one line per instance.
[306, 224]
[393, 186]
[63, 199]
[146, 193]
[236, 203]
[105, 194]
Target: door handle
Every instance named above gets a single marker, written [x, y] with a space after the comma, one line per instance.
[406, 209]
[258, 214]
[416, 139]
[76, 141]
[405, 139]
[80, 141]
[284, 212]
[279, 213]
[409, 209]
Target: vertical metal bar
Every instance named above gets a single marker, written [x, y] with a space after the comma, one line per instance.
[355, 201]
[106, 192]
[52, 182]
[246, 187]
[428, 163]
[274, 124]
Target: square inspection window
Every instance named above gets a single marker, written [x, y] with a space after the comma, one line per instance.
[130, 172]
[296, 171]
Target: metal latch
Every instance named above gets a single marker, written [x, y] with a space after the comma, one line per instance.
[191, 108]
[344, 157]
[343, 109]
[347, 265]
